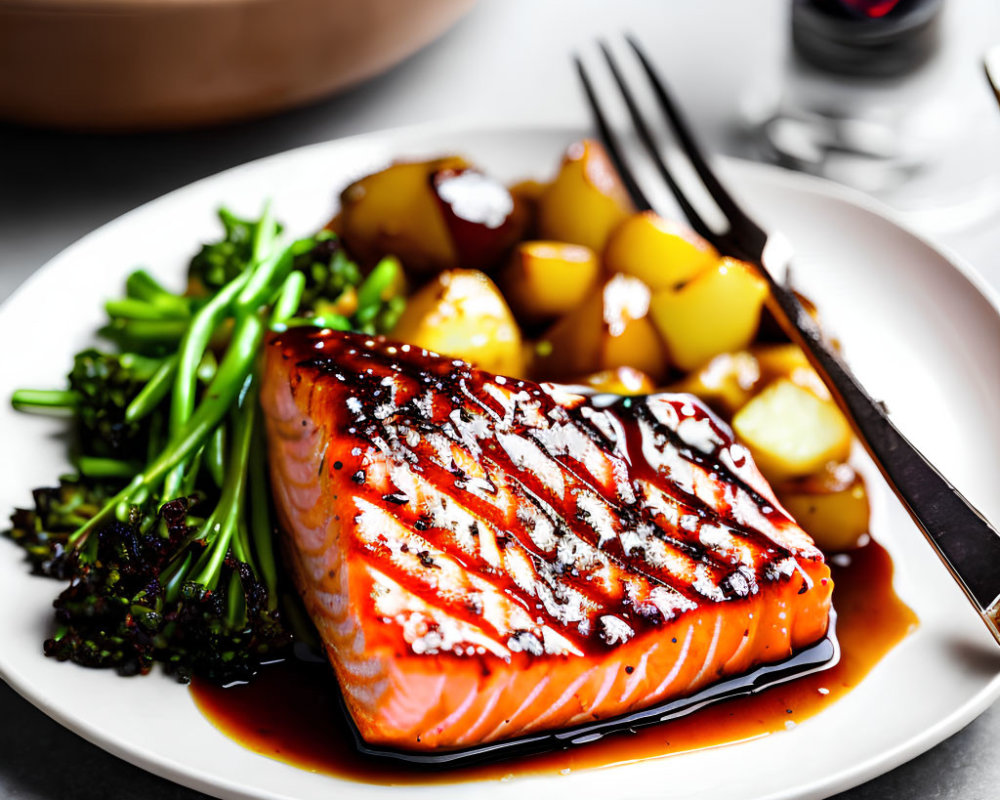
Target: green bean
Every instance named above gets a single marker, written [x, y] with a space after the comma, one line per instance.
[94, 467]
[215, 455]
[143, 286]
[269, 272]
[153, 392]
[288, 299]
[193, 347]
[228, 383]
[132, 308]
[145, 332]
[233, 496]
[372, 291]
[261, 529]
[51, 400]
[264, 235]
[206, 369]
[142, 367]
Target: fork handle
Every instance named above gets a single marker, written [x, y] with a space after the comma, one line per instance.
[962, 537]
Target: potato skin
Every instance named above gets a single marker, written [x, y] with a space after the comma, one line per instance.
[483, 217]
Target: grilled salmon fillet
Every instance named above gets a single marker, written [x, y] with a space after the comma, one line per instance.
[487, 557]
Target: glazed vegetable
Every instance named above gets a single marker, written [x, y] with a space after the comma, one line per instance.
[831, 504]
[165, 532]
[717, 311]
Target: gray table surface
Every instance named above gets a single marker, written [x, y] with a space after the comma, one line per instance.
[505, 62]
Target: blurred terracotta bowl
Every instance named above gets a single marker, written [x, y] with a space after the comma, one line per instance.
[145, 64]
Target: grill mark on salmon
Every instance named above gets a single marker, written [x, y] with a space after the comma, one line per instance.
[485, 557]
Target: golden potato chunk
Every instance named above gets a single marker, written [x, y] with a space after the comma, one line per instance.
[716, 312]
[395, 212]
[610, 328]
[461, 313]
[831, 505]
[661, 253]
[791, 432]
[544, 280]
[726, 383]
[586, 201]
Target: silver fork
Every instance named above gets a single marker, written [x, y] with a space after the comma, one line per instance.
[966, 542]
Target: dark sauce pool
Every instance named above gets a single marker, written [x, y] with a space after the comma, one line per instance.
[291, 712]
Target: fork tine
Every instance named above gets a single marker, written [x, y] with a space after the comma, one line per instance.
[639, 199]
[696, 220]
[687, 141]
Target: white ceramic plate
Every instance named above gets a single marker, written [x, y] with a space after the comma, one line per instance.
[916, 326]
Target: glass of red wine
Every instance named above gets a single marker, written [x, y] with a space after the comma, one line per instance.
[888, 96]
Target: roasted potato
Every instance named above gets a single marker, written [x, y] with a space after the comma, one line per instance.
[586, 201]
[610, 328]
[662, 254]
[717, 311]
[832, 505]
[726, 383]
[791, 432]
[461, 313]
[395, 212]
[528, 193]
[432, 215]
[544, 280]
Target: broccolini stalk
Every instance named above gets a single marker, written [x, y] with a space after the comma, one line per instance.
[167, 531]
[194, 432]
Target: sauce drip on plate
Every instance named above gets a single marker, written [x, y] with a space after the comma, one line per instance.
[291, 713]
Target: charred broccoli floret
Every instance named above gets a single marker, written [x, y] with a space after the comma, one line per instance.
[43, 531]
[137, 602]
[217, 263]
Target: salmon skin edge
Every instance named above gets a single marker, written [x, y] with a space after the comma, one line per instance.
[818, 657]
